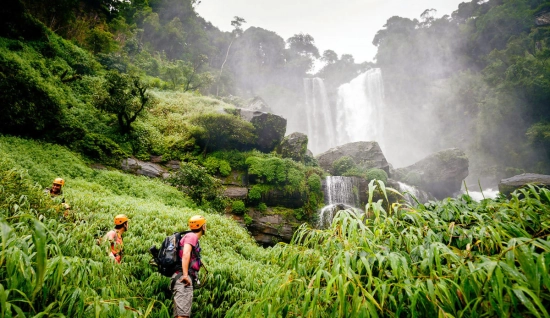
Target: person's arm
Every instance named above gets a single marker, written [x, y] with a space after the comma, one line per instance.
[185, 259]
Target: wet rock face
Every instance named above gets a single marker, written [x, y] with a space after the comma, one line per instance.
[440, 174]
[143, 168]
[269, 229]
[507, 186]
[367, 154]
[270, 128]
[294, 146]
[542, 19]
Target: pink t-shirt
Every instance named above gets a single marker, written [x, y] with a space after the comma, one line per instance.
[193, 240]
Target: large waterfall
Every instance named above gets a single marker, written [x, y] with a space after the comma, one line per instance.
[360, 109]
[320, 123]
[356, 116]
[340, 193]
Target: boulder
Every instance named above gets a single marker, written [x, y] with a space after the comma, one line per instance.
[258, 104]
[269, 229]
[173, 164]
[542, 19]
[366, 154]
[507, 186]
[239, 193]
[270, 128]
[294, 146]
[148, 169]
[440, 174]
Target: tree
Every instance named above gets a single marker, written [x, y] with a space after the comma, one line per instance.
[237, 23]
[329, 56]
[303, 44]
[187, 74]
[125, 96]
[223, 131]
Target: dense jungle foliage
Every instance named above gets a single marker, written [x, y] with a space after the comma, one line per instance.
[90, 82]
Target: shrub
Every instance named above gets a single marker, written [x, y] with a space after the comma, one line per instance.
[101, 148]
[215, 166]
[377, 174]
[314, 183]
[262, 207]
[195, 181]
[248, 220]
[221, 131]
[238, 207]
[342, 165]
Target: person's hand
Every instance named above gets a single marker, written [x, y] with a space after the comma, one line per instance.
[185, 280]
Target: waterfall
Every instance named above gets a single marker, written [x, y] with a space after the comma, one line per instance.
[320, 124]
[358, 114]
[341, 193]
[360, 109]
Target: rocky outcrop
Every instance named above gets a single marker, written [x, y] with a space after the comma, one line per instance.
[440, 174]
[237, 193]
[294, 146]
[542, 19]
[258, 104]
[235, 178]
[507, 186]
[276, 197]
[366, 154]
[270, 128]
[143, 168]
[269, 229]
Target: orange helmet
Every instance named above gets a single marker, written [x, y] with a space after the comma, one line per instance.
[196, 221]
[59, 181]
[121, 218]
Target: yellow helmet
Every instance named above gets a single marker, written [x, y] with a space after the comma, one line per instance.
[196, 221]
[59, 181]
[121, 218]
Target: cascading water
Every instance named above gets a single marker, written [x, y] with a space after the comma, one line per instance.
[358, 115]
[320, 124]
[360, 109]
[340, 193]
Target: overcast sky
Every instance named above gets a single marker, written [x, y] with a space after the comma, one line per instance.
[345, 26]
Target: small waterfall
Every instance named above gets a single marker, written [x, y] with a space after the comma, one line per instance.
[340, 194]
[320, 124]
[360, 109]
[484, 194]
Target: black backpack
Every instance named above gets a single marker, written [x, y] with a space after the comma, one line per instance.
[167, 258]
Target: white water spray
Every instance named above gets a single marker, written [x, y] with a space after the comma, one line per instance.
[340, 193]
[319, 117]
[360, 109]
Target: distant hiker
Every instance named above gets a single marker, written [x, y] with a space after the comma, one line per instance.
[115, 237]
[56, 193]
[185, 277]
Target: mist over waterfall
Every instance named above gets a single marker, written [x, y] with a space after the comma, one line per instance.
[320, 123]
[360, 109]
[358, 113]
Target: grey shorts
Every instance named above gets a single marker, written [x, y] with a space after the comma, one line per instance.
[183, 298]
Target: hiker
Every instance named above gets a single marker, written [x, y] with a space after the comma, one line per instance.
[56, 193]
[115, 237]
[185, 277]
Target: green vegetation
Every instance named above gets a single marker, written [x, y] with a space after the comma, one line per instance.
[343, 165]
[238, 207]
[454, 257]
[376, 174]
[50, 265]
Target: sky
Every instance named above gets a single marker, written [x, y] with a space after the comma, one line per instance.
[345, 26]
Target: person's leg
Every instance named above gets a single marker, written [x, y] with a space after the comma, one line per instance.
[183, 299]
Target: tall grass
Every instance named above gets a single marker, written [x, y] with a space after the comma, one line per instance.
[454, 258]
[51, 265]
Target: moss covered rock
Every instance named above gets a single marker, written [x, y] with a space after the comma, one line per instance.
[294, 146]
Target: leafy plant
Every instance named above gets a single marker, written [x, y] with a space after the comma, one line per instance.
[377, 174]
[238, 207]
[342, 165]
